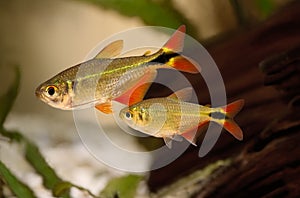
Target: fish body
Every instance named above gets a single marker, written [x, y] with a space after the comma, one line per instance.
[105, 78]
[171, 116]
[98, 79]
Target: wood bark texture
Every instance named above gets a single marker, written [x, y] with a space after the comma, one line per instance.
[261, 65]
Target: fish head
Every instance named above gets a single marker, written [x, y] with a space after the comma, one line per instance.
[56, 93]
[137, 117]
[146, 117]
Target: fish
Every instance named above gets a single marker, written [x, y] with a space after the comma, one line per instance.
[108, 77]
[172, 116]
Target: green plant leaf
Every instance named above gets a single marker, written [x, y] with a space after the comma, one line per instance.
[61, 188]
[122, 187]
[16, 186]
[32, 153]
[266, 7]
[7, 100]
[38, 162]
[11, 135]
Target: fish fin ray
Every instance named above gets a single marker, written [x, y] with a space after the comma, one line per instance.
[233, 129]
[229, 124]
[191, 135]
[136, 93]
[182, 95]
[147, 53]
[175, 43]
[168, 142]
[105, 107]
[233, 108]
[177, 138]
[184, 64]
[111, 50]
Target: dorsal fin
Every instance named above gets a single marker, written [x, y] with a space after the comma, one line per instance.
[147, 53]
[111, 50]
[182, 95]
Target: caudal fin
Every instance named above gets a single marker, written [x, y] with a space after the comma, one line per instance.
[233, 108]
[233, 129]
[228, 123]
[176, 42]
[171, 49]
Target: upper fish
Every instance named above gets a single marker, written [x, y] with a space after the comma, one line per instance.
[105, 78]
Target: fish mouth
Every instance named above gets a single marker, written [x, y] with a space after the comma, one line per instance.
[122, 117]
[41, 96]
[38, 92]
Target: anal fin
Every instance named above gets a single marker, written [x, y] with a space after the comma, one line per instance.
[191, 134]
[136, 93]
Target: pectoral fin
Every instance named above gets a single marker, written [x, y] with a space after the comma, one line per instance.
[177, 138]
[168, 142]
[105, 107]
[111, 50]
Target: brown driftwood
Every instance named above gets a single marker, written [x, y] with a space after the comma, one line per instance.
[267, 162]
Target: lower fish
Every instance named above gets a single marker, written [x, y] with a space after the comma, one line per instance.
[171, 116]
[106, 78]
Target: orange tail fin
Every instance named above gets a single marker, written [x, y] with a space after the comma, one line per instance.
[176, 42]
[183, 64]
[228, 123]
[233, 129]
[175, 45]
[233, 108]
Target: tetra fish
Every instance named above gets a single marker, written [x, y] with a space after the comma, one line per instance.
[106, 78]
[170, 116]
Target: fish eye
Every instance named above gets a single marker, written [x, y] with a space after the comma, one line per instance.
[128, 115]
[51, 90]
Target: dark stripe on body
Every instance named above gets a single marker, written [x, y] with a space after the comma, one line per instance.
[165, 57]
[218, 115]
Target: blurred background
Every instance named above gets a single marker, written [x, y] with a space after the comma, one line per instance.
[44, 37]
